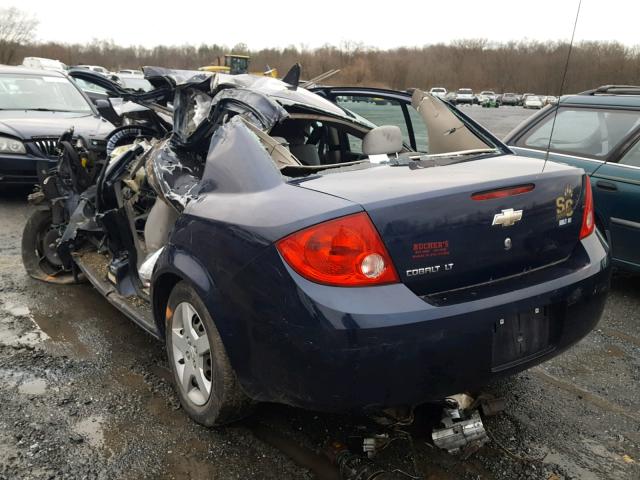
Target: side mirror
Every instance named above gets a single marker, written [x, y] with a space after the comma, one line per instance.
[106, 111]
[103, 106]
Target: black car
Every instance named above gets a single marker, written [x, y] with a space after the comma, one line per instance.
[36, 107]
[509, 99]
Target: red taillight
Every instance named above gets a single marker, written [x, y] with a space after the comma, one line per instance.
[346, 252]
[503, 192]
[588, 219]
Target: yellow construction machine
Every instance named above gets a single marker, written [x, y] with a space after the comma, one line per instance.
[236, 64]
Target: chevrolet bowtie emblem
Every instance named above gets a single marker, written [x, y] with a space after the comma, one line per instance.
[507, 218]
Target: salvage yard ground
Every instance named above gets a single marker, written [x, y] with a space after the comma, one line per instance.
[84, 393]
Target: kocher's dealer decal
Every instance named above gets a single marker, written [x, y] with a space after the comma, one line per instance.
[430, 249]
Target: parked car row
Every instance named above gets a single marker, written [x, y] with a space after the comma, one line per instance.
[57, 65]
[466, 96]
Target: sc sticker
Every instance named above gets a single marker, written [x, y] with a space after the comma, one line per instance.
[565, 206]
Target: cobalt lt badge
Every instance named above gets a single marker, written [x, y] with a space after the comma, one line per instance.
[507, 218]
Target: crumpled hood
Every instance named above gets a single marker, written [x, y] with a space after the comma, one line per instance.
[26, 124]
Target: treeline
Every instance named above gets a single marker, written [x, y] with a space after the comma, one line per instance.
[525, 66]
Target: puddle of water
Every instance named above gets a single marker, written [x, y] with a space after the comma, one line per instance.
[190, 462]
[27, 383]
[14, 332]
[92, 429]
[36, 386]
[556, 458]
[16, 310]
[9, 378]
[62, 330]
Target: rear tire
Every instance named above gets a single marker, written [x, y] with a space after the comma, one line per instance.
[205, 381]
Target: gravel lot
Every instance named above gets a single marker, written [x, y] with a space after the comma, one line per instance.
[84, 393]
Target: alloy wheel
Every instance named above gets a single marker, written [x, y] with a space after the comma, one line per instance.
[191, 353]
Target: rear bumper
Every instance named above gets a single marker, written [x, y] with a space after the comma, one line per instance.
[329, 348]
[21, 169]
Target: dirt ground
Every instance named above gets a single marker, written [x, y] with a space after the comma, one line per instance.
[85, 394]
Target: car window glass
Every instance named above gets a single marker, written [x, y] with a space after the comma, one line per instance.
[382, 111]
[136, 83]
[587, 132]
[377, 110]
[355, 144]
[419, 130]
[35, 92]
[89, 87]
[632, 157]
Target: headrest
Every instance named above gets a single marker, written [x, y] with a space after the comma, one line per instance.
[383, 140]
[307, 153]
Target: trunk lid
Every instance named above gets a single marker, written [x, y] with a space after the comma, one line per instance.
[441, 239]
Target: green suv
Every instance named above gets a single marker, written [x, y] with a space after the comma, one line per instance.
[599, 131]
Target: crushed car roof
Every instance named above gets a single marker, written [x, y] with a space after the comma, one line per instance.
[281, 92]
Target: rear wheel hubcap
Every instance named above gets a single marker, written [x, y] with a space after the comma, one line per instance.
[191, 353]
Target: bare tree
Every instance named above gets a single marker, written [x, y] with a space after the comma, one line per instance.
[16, 28]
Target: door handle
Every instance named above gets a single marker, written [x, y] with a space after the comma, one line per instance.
[604, 185]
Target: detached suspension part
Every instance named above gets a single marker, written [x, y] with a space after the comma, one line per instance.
[461, 430]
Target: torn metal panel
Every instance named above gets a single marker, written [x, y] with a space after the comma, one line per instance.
[237, 162]
[280, 92]
[192, 107]
[256, 107]
[279, 153]
[447, 133]
[174, 177]
[175, 77]
[82, 219]
[197, 114]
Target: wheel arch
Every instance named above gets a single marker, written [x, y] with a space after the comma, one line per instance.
[162, 287]
[175, 265]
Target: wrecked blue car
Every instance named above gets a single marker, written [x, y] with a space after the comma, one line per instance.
[287, 249]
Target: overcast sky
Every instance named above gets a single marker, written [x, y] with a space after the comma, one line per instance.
[312, 24]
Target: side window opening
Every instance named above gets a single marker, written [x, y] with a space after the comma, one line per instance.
[319, 142]
[383, 111]
[419, 131]
[632, 157]
[582, 131]
[377, 110]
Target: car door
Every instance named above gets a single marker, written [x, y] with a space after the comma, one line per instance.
[616, 185]
[382, 107]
